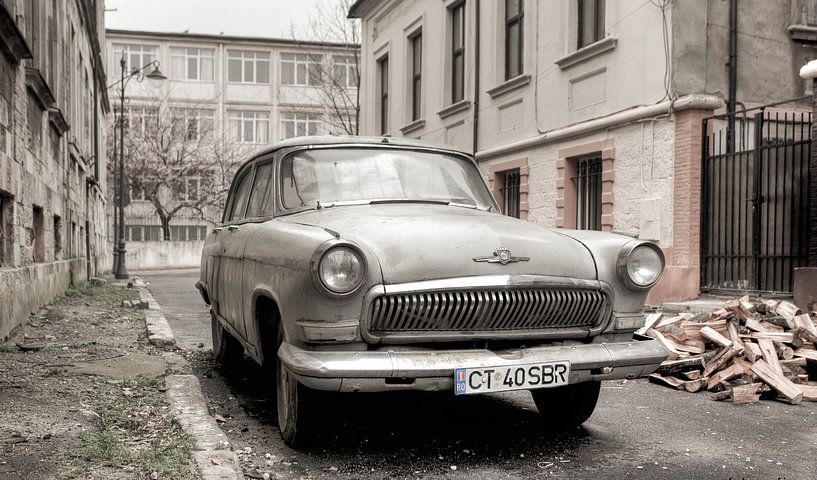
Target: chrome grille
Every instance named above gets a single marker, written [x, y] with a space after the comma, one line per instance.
[487, 310]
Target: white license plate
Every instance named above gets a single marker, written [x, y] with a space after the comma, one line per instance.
[514, 377]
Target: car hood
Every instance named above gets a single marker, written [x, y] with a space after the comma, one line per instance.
[415, 242]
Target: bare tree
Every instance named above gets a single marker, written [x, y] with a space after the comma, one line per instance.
[336, 82]
[175, 162]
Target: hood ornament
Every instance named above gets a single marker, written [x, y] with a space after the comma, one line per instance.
[501, 255]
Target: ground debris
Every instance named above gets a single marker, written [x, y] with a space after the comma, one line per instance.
[750, 349]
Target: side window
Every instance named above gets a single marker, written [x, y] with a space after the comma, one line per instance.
[261, 192]
[240, 197]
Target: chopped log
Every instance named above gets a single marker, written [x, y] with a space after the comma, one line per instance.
[669, 321]
[747, 366]
[791, 392]
[771, 305]
[665, 342]
[667, 381]
[676, 366]
[744, 394]
[696, 385]
[783, 352]
[788, 311]
[720, 396]
[737, 307]
[804, 321]
[732, 330]
[710, 334]
[674, 332]
[725, 375]
[770, 354]
[696, 374]
[752, 351]
[810, 355]
[760, 326]
[746, 304]
[694, 347]
[809, 392]
[694, 328]
[651, 320]
[784, 337]
[777, 321]
[804, 335]
[719, 361]
[794, 362]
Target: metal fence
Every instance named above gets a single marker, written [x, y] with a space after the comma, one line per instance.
[755, 191]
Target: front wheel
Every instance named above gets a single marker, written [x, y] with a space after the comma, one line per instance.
[226, 348]
[294, 403]
[568, 406]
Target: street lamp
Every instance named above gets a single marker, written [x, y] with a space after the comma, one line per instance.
[155, 77]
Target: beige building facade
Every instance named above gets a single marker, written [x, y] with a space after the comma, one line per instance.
[53, 103]
[581, 113]
[240, 92]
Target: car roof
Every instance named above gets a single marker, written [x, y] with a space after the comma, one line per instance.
[322, 140]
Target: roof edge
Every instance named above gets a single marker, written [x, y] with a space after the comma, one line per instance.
[236, 38]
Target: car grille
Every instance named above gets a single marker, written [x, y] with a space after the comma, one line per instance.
[487, 310]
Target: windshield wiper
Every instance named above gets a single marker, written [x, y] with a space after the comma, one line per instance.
[431, 202]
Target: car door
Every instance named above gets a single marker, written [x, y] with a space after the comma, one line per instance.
[259, 210]
[233, 239]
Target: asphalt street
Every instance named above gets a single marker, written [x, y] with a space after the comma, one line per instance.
[638, 430]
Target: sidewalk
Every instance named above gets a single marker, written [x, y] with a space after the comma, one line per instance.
[82, 394]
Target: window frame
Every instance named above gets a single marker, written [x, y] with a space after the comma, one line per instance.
[348, 66]
[599, 7]
[231, 116]
[308, 119]
[516, 20]
[306, 59]
[142, 55]
[383, 93]
[588, 184]
[457, 52]
[251, 56]
[249, 174]
[416, 43]
[511, 192]
[186, 56]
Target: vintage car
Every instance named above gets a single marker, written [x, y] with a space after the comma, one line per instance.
[359, 264]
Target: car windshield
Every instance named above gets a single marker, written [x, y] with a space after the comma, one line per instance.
[327, 177]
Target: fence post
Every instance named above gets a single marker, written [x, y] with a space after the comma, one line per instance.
[805, 278]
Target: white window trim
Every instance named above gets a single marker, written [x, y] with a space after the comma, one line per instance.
[231, 55]
[199, 57]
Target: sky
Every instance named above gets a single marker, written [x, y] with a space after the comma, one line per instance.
[251, 18]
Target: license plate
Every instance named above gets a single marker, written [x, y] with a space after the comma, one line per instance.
[514, 377]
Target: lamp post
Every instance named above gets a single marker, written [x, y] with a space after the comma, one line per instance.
[120, 270]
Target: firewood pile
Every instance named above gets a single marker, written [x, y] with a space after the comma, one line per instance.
[747, 350]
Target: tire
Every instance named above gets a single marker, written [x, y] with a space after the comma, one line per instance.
[567, 407]
[294, 405]
[226, 348]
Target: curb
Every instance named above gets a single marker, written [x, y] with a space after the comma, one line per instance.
[212, 454]
[159, 332]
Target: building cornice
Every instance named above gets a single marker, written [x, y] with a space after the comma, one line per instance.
[12, 41]
[230, 38]
[39, 87]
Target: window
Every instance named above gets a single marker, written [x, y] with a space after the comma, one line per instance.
[240, 197]
[300, 124]
[142, 119]
[191, 64]
[143, 233]
[188, 233]
[300, 69]
[137, 190]
[38, 235]
[6, 227]
[136, 56]
[247, 66]
[588, 193]
[345, 71]
[54, 138]
[193, 124]
[513, 38]
[416, 75]
[189, 190]
[248, 127]
[383, 86]
[591, 21]
[510, 192]
[34, 114]
[260, 199]
[57, 237]
[457, 52]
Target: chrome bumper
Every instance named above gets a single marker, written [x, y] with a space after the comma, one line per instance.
[383, 370]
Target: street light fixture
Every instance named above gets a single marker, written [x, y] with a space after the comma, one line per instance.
[155, 77]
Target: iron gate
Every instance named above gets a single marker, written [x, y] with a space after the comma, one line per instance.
[754, 204]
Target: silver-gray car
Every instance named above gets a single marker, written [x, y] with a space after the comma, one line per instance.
[358, 264]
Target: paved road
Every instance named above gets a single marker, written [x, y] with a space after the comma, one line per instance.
[639, 430]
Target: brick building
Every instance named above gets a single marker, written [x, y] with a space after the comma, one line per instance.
[588, 113]
[53, 102]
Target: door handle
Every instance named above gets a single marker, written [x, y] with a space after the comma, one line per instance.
[232, 228]
[217, 229]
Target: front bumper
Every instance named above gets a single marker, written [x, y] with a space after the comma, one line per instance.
[433, 370]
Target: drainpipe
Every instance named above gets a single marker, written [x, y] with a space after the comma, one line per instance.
[733, 74]
[476, 77]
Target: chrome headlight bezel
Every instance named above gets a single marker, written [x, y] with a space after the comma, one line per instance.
[622, 264]
[318, 257]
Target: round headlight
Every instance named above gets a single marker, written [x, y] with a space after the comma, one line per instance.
[640, 266]
[341, 270]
